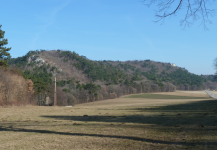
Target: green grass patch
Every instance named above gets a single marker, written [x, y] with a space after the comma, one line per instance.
[162, 96]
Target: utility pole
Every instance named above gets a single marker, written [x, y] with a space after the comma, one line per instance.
[55, 93]
[55, 88]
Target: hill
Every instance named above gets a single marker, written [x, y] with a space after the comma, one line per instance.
[80, 79]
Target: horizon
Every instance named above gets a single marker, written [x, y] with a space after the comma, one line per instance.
[119, 60]
[108, 30]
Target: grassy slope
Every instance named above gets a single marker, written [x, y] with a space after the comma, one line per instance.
[124, 123]
[162, 96]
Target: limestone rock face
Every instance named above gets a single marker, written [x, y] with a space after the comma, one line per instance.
[37, 59]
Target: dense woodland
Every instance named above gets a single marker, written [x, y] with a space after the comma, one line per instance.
[82, 80]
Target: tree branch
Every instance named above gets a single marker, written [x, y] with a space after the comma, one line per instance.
[195, 9]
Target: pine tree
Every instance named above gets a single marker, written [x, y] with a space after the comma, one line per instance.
[4, 55]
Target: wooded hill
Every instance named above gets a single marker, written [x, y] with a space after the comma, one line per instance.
[82, 80]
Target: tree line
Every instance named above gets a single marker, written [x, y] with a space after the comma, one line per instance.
[106, 79]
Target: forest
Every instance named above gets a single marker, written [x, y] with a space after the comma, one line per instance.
[81, 80]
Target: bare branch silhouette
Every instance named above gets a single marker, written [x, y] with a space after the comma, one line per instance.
[194, 10]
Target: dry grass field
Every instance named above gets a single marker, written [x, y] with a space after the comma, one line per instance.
[117, 124]
[214, 92]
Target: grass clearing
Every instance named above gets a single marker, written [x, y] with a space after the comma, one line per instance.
[214, 92]
[162, 96]
[124, 123]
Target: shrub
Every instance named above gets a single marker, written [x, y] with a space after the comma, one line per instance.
[100, 97]
[66, 90]
[112, 95]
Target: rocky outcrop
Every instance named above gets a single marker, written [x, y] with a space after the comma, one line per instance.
[37, 59]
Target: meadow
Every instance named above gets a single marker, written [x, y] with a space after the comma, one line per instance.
[170, 120]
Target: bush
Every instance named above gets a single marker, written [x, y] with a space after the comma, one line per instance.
[66, 90]
[112, 95]
[100, 97]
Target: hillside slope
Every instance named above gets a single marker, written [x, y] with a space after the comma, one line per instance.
[84, 80]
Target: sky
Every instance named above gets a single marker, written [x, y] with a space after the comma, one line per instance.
[108, 30]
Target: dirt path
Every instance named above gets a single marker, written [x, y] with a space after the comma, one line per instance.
[211, 94]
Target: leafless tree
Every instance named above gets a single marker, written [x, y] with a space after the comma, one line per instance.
[193, 10]
[61, 96]
[215, 64]
[14, 89]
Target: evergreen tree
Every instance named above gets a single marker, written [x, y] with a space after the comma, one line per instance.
[4, 55]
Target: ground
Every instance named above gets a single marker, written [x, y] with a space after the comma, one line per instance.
[123, 123]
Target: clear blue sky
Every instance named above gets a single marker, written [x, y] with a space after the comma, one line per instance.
[107, 30]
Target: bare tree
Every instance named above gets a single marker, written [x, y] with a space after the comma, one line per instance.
[215, 64]
[13, 88]
[194, 10]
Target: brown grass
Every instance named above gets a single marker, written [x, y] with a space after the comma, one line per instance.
[122, 123]
[214, 92]
[187, 93]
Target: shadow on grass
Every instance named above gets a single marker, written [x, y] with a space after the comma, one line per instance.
[191, 107]
[199, 117]
[192, 118]
[201, 114]
[106, 136]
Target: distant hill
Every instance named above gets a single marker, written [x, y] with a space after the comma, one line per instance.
[82, 80]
